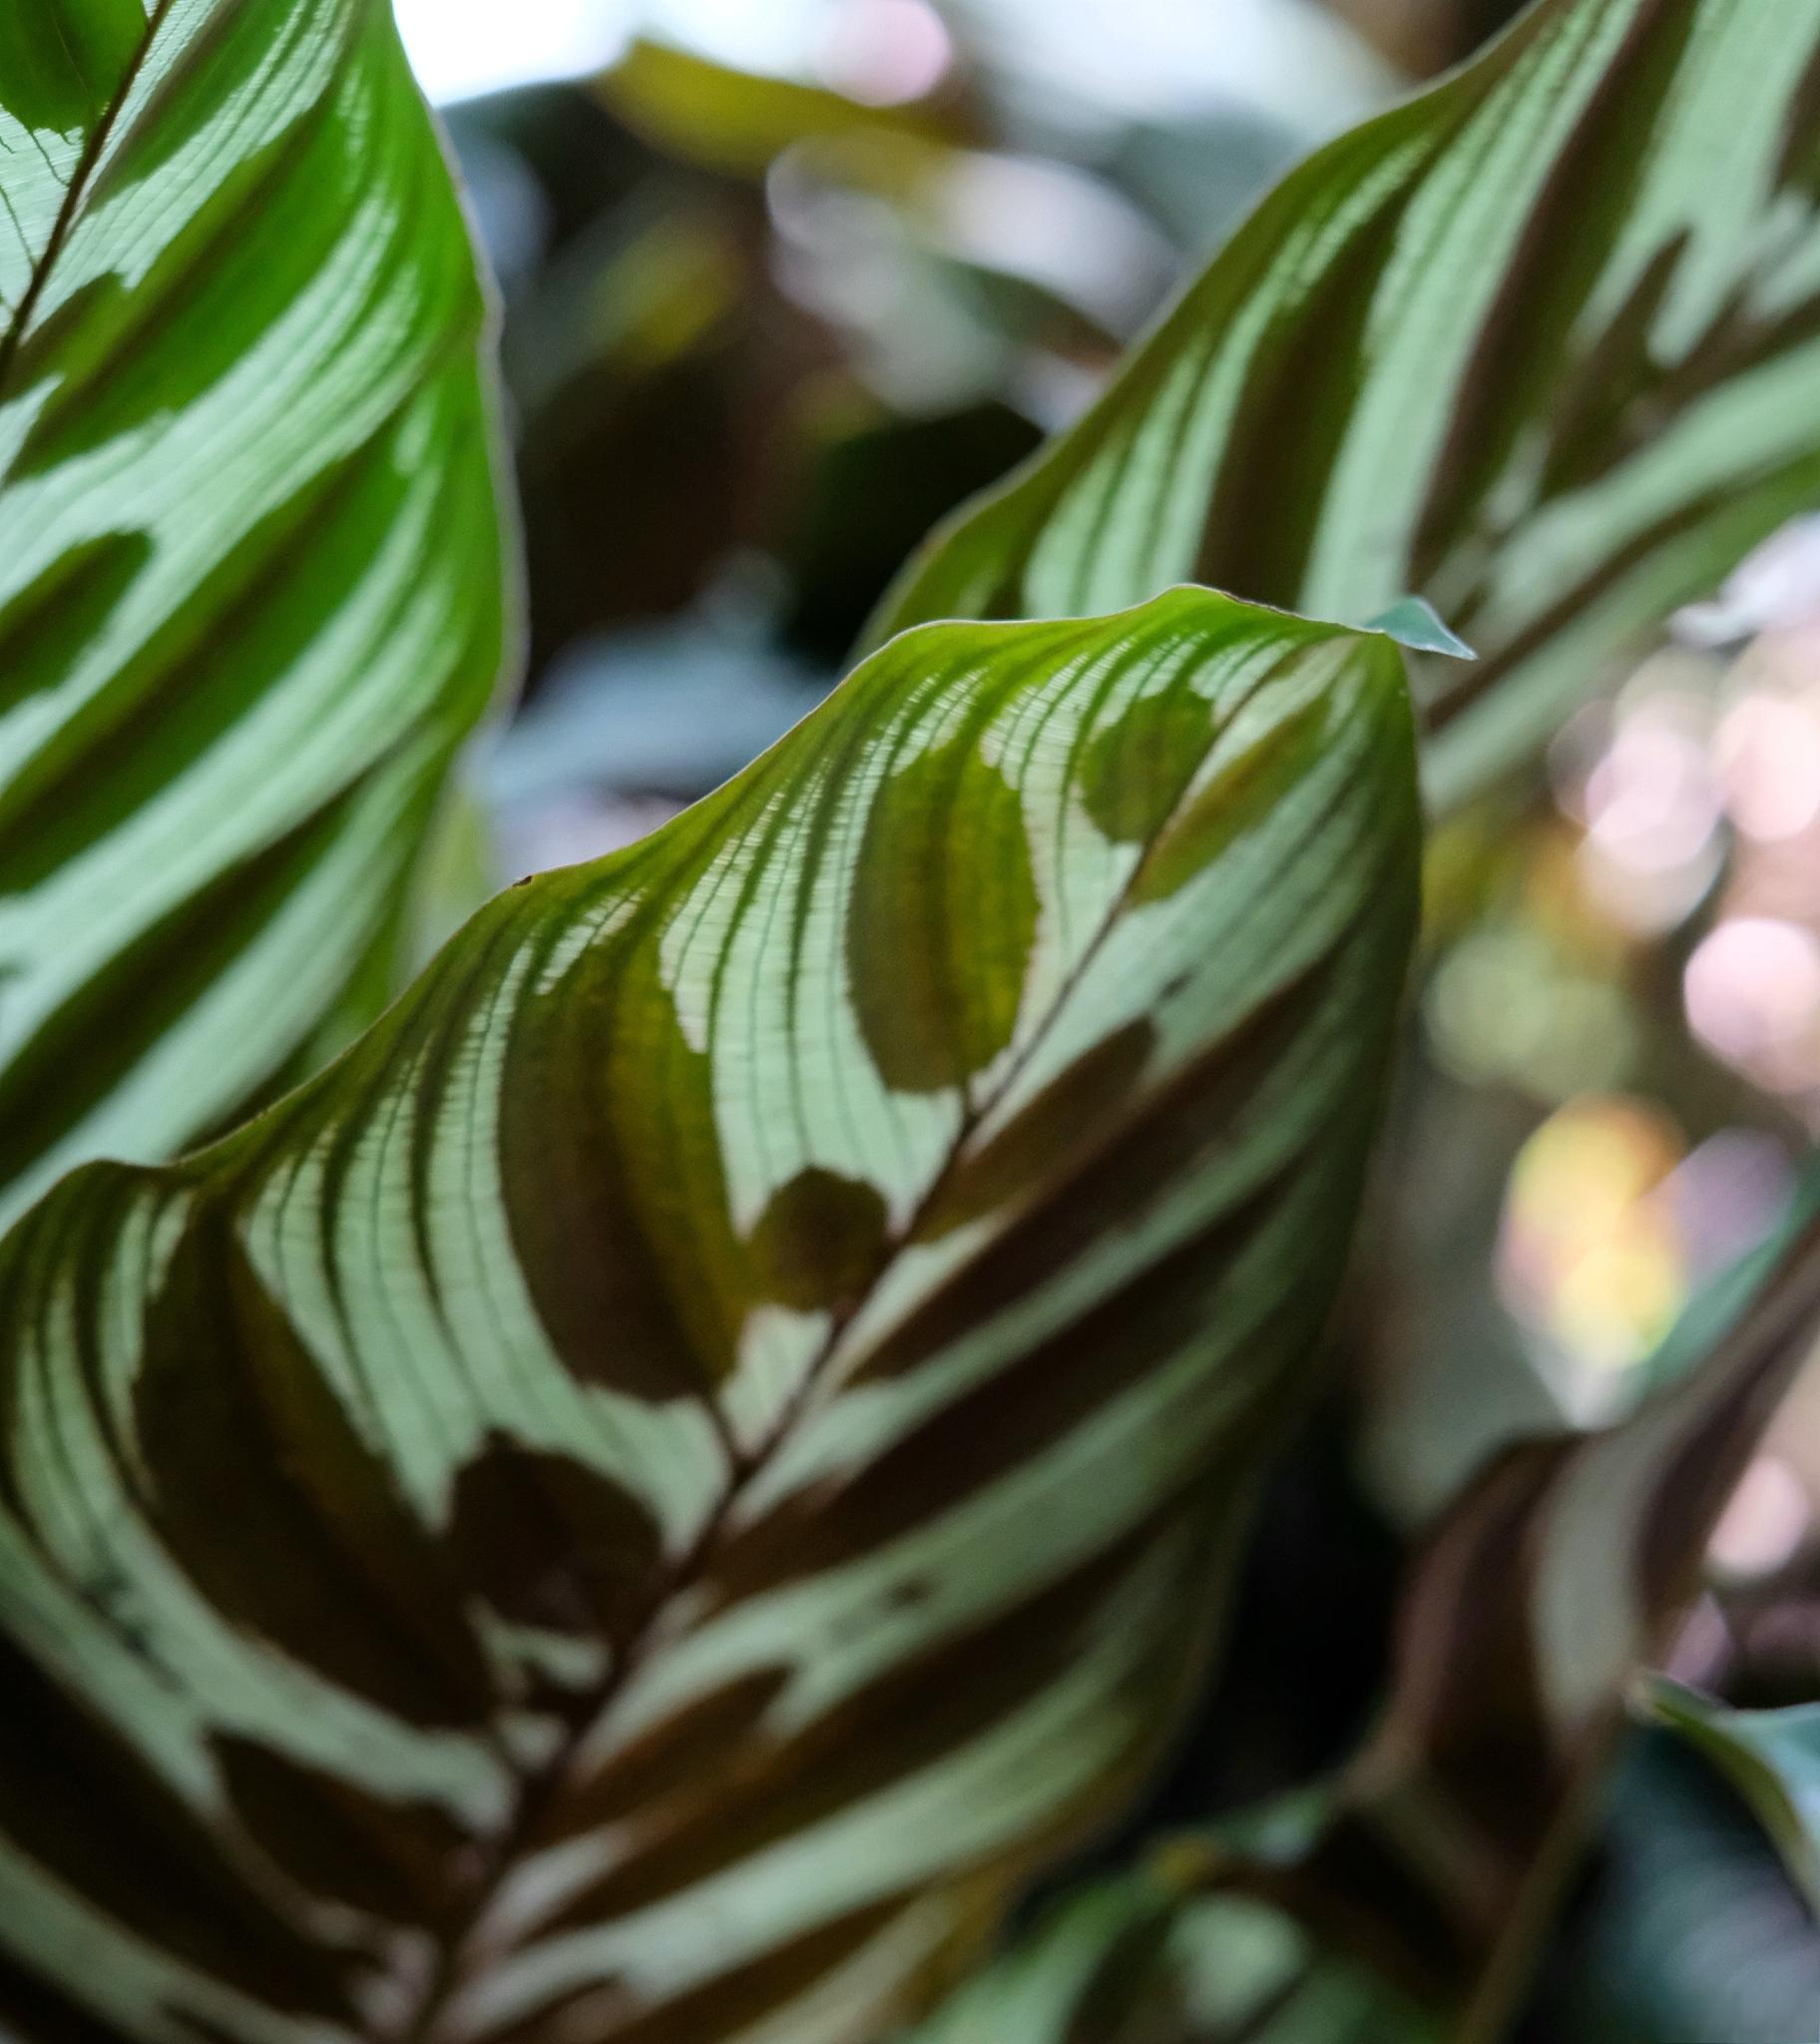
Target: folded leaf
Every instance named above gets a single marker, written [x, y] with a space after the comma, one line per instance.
[1771, 1758]
[1542, 344]
[250, 590]
[644, 1501]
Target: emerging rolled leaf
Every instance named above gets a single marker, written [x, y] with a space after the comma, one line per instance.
[1543, 345]
[251, 588]
[646, 1500]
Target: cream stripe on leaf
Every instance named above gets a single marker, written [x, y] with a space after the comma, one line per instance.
[651, 1497]
[251, 577]
[1541, 345]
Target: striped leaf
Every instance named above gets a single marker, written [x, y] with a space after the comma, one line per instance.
[251, 574]
[1542, 344]
[1406, 1899]
[1137, 1961]
[1771, 1758]
[1559, 1575]
[642, 1503]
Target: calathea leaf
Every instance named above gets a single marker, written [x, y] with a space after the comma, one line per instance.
[1405, 1896]
[1542, 344]
[1548, 1587]
[1771, 1758]
[644, 1501]
[1137, 1960]
[251, 575]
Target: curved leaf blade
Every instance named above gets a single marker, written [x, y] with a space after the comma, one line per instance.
[1137, 1961]
[1405, 1897]
[252, 587]
[652, 1495]
[1546, 1590]
[1773, 1759]
[1542, 345]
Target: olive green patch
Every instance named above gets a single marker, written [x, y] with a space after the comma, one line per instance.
[1136, 771]
[943, 915]
[46, 626]
[819, 1242]
[1236, 799]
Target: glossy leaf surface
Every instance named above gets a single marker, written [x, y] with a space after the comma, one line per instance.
[646, 1500]
[1541, 345]
[250, 572]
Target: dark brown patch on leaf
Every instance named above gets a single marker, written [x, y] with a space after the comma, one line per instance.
[753, 1789]
[1006, 1421]
[720, 2007]
[943, 912]
[282, 1517]
[669, 1760]
[80, 1803]
[614, 1179]
[1173, 1131]
[549, 1542]
[1525, 351]
[819, 1242]
[404, 1864]
[1036, 1142]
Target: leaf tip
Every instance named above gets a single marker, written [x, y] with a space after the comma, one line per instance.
[1415, 623]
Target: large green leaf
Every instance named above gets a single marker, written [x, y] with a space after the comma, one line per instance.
[251, 588]
[1543, 345]
[642, 1502]
[1773, 1759]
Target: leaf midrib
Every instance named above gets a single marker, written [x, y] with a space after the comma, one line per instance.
[537, 1791]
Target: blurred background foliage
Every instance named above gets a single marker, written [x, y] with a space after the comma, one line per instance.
[785, 280]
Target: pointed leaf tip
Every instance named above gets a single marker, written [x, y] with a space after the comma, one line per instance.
[1415, 623]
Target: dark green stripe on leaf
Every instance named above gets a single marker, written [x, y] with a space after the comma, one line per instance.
[941, 920]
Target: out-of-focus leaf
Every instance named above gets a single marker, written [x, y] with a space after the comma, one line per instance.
[1559, 1575]
[1136, 1962]
[1395, 1895]
[873, 483]
[1692, 1933]
[1543, 345]
[1773, 1759]
[1423, 37]
[740, 122]
[251, 577]
[646, 1501]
